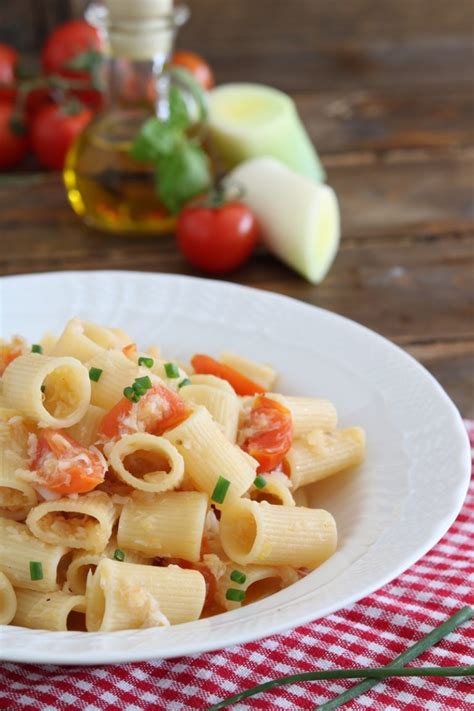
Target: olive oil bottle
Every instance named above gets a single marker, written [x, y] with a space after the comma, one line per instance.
[107, 187]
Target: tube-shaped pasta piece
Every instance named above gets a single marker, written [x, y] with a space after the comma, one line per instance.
[16, 496]
[67, 389]
[260, 373]
[118, 372]
[276, 490]
[147, 462]
[212, 381]
[57, 611]
[48, 343]
[167, 525]
[123, 596]
[83, 340]
[18, 547]
[259, 581]
[7, 600]
[82, 522]
[308, 413]
[84, 561]
[323, 453]
[208, 456]
[14, 432]
[223, 406]
[86, 430]
[261, 533]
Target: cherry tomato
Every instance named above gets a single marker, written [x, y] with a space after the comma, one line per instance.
[158, 410]
[13, 138]
[197, 66]
[8, 63]
[64, 45]
[37, 99]
[64, 466]
[217, 239]
[269, 430]
[53, 131]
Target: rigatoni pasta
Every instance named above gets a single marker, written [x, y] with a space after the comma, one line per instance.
[138, 491]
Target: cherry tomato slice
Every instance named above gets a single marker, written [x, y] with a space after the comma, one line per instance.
[270, 433]
[159, 409]
[65, 466]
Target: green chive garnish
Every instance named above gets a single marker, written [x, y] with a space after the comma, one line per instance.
[143, 383]
[36, 570]
[220, 490]
[235, 595]
[119, 555]
[36, 348]
[184, 382]
[259, 482]
[374, 675]
[131, 395]
[238, 577]
[94, 374]
[148, 362]
[171, 370]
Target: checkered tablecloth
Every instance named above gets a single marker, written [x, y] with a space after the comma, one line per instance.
[372, 632]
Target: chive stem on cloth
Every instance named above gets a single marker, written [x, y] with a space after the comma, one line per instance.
[171, 370]
[36, 348]
[220, 490]
[148, 362]
[374, 675]
[94, 374]
[36, 570]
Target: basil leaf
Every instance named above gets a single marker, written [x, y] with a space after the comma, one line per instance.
[156, 138]
[179, 114]
[183, 175]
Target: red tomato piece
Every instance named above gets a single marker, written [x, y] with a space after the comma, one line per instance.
[242, 385]
[65, 466]
[270, 433]
[159, 409]
[217, 239]
[13, 138]
[197, 66]
[8, 64]
[53, 131]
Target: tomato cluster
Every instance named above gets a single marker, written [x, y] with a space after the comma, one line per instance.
[46, 113]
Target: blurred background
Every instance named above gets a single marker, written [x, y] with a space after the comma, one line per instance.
[385, 89]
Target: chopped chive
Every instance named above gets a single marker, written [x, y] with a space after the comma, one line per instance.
[119, 555]
[238, 577]
[372, 676]
[148, 362]
[36, 348]
[171, 370]
[220, 490]
[259, 482]
[184, 382]
[131, 395]
[138, 390]
[95, 373]
[144, 383]
[43, 388]
[235, 595]
[36, 570]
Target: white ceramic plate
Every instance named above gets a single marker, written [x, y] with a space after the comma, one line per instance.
[389, 512]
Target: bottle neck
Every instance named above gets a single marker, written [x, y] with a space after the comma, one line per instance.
[138, 83]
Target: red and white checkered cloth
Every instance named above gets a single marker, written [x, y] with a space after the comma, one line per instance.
[370, 633]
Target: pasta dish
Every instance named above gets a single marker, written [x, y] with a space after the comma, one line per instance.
[137, 491]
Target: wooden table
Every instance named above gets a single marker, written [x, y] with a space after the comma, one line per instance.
[386, 92]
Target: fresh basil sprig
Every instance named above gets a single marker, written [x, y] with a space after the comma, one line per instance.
[182, 168]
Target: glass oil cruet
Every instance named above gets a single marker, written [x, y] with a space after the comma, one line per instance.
[107, 187]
